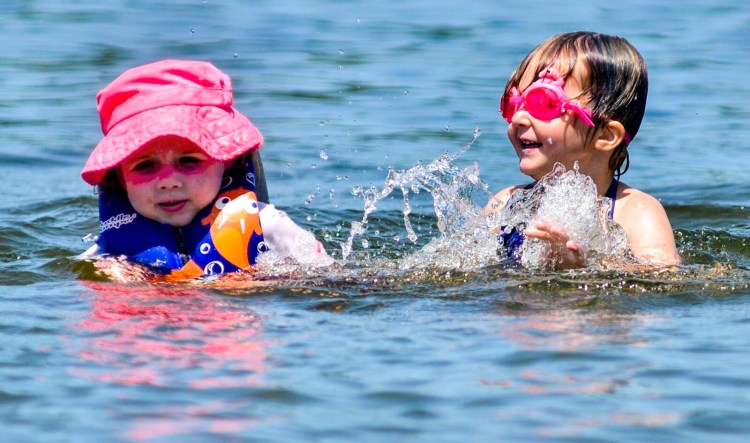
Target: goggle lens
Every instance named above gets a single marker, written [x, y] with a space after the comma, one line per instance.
[542, 104]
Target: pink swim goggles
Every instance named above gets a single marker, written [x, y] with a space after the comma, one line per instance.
[544, 99]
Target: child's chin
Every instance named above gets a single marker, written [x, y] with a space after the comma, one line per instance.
[177, 220]
[534, 172]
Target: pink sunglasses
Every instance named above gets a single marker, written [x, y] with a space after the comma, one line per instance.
[544, 99]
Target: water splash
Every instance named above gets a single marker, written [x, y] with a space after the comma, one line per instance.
[570, 200]
[468, 235]
[452, 191]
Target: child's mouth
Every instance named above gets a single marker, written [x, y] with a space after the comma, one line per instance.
[526, 144]
[173, 206]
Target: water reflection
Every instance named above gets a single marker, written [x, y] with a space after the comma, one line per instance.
[579, 357]
[179, 339]
[573, 331]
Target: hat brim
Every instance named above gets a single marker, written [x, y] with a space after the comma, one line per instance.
[223, 134]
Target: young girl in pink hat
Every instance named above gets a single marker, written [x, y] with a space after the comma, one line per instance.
[180, 182]
[578, 99]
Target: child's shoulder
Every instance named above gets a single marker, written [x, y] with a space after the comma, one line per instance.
[632, 200]
[647, 225]
[499, 200]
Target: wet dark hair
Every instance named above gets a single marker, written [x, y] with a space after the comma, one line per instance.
[615, 86]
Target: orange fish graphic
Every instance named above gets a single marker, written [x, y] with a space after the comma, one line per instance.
[233, 227]
[222, 200]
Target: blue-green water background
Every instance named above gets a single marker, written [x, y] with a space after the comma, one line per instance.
[483, 355]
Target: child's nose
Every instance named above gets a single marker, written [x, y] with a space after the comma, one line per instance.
[169, 178]
[521, 116]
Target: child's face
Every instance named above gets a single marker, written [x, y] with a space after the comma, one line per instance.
[540, 144]
[170, 180]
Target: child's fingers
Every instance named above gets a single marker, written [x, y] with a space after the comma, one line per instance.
[576, 257]
[570, 253]
[549, 232]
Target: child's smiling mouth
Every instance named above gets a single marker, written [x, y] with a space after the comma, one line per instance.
[173, 205]
[528, 144]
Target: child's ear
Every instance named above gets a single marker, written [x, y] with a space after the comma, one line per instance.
[610, 136]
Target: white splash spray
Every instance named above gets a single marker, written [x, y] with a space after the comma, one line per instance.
[569, 200]
[468, 237]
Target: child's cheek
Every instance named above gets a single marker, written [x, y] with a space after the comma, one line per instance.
[135, 179]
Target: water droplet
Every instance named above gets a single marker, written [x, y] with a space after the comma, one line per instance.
[236, 55]
[406, 92]
[313, 165]
[324, 154]
[341, 52]
[330, 197]
[549, 140]
[322, 123]
[447, 127]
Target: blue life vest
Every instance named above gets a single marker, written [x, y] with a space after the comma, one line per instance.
[193, 248]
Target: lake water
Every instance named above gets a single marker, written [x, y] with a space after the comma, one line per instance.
[368, 352]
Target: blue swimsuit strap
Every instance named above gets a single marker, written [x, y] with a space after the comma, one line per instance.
[612, 195]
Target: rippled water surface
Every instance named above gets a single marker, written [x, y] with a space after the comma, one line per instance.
[377, 348]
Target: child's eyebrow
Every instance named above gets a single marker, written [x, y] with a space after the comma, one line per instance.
[137, 157]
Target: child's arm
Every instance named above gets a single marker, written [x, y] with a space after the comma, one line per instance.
[648, 228]
[498, 202]
[287, 239]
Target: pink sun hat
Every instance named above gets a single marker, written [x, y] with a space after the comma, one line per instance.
[189, 99]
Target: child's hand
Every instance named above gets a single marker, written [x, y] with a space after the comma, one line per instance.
[566, 254]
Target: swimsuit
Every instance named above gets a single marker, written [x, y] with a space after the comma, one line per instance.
[225, 236]
[512, 241]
